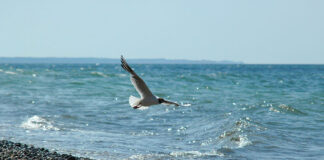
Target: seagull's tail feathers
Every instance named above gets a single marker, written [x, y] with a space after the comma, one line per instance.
[134, 101]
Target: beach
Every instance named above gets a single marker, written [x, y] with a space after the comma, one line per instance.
[12, 150]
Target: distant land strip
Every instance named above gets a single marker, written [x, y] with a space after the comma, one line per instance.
[55, 60]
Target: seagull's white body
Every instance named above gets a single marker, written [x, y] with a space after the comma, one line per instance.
[144, 102]
[147, 98]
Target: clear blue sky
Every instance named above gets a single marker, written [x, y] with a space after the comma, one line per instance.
[252, 31]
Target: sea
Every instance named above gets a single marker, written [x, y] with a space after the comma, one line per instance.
[233, 111]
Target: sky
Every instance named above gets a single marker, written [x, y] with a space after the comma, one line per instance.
[251, 31]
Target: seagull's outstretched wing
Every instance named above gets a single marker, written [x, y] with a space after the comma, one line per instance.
[137, 81]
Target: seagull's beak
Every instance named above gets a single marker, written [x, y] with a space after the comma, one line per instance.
[136, 107]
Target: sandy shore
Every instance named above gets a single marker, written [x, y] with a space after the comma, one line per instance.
[11, 150]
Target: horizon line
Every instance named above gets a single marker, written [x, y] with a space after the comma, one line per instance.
[115, 58]
[164, 59]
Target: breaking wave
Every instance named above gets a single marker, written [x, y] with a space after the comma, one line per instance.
[38, 123]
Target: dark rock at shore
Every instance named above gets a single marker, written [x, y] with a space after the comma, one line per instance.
[11, 151]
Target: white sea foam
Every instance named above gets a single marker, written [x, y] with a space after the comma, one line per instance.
[99, 74]
[176, 154]
[9, 72]
[272, 109]
[146, 156]
[232, 140]
[185, 104]
[144, 133]
[243, 141]
[121, 75]
[19, 70]
[35, 122]
[143, 108]
[195, 154]
[235, 136]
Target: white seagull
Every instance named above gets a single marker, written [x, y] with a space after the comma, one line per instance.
[147, 98]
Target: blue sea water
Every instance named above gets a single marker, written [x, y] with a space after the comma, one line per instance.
[226, 112]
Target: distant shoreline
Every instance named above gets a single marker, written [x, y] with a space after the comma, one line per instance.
[57, 60]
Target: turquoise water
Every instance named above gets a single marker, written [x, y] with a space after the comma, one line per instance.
[226, 112]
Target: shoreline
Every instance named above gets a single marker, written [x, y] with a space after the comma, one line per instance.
[13, 150]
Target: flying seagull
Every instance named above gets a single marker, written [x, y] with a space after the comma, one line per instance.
[147, 98]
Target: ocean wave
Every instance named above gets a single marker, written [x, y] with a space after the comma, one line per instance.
[195, 154]
[185, 104]
[10, 72]
[144, 133]
[121, 75]
[241, 141]
[19, 70]
[283, 108]
[178, 154]
[38, 123]
[233, 140]
[148, 156]
[99, 74]
[235, 136]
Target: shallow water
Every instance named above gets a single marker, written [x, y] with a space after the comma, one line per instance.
[227, 111]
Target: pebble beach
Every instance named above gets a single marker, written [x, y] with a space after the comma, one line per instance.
[12, 150]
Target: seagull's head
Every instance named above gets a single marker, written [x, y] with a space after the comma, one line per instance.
[161, 100]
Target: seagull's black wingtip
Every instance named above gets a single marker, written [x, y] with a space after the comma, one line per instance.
[122, 59]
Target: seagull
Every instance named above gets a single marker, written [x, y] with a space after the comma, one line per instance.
[147, 98]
